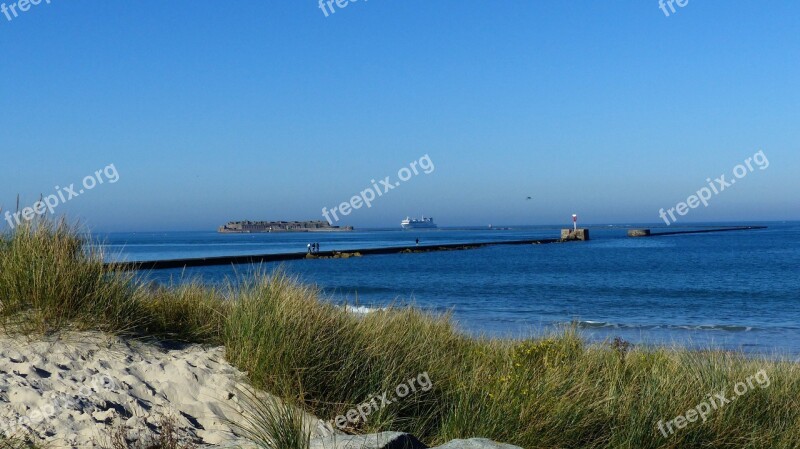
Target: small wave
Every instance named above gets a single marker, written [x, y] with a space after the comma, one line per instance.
[362, 310]
[588, 324]
[594, 324]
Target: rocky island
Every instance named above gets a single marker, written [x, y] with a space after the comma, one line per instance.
[244, 227]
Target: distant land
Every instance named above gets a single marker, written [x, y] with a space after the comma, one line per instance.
[246, 227]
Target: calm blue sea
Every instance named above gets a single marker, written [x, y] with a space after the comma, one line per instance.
[732, 290]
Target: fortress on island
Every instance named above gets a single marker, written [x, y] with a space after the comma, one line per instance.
[239, 227]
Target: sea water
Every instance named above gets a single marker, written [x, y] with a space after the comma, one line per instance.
[731, 290]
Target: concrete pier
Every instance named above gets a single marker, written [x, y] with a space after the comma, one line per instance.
[647, 233]
[574, 234]
[338, 254]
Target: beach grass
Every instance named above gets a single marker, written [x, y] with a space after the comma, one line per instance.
[14, 442]
[555, 391]
[49, 279]
[272, 423]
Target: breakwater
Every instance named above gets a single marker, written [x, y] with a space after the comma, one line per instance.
[339, 254]
[648, 233]
[344, 254]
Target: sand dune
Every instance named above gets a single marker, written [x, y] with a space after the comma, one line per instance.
[74, 390]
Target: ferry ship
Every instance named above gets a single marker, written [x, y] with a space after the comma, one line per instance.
[422, 223]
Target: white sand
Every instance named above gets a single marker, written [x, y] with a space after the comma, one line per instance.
[72, 390]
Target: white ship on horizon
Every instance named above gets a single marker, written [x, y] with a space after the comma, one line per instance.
[422, 223]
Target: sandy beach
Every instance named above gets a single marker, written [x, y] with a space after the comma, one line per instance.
[79, 389]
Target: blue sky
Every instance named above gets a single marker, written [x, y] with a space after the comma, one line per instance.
[214, 111]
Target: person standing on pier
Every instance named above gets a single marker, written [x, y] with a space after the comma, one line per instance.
[308, 248]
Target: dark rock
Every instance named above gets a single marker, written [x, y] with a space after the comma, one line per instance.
[476, 443]
[383, 440]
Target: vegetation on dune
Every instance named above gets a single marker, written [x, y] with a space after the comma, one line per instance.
[15, 442]
[166, 438]
[48, 280]
[555, 392]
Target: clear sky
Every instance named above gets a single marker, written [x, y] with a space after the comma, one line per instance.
[215, 111]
